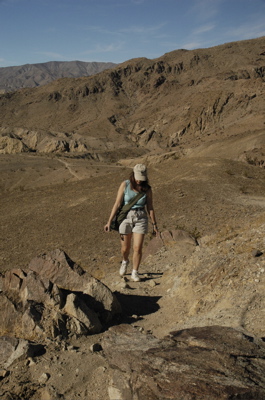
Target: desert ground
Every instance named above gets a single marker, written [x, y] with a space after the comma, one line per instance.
[64, 202]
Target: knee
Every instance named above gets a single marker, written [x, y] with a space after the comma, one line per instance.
[125, 248]
[137, 249]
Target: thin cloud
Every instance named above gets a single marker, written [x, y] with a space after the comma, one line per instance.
[7, 2]
[191, 45]
[100, 29]
[135, 30]
[3, 62]
[206, 9]
[51, 30]
[104, 49]
[142, 29]
[51, 55]
[163, 36]
[204, 29]
[247, 31]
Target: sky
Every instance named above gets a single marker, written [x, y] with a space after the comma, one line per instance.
[38, 31]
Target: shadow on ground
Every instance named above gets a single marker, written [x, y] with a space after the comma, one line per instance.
[134, 305]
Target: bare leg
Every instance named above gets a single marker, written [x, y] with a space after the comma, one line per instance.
[126, 246]
[138, 241]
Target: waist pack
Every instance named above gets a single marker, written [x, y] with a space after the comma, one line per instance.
[123, 211]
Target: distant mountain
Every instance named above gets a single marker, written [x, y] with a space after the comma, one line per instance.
[32, 75]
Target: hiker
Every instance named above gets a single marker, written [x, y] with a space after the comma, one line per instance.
[135, 224]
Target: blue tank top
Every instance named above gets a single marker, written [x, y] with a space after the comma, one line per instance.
[129, 194]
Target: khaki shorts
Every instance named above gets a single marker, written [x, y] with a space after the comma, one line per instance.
[135, 222]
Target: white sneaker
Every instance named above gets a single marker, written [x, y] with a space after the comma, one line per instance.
[135, 277]
[123, 268]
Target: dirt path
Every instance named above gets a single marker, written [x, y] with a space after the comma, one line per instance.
[68, 166]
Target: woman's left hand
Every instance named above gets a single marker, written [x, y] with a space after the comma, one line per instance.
[155, 230]
[107, 227]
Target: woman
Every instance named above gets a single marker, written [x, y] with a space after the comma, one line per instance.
[136, 223]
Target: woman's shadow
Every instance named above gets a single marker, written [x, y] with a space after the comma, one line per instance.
[136, 305]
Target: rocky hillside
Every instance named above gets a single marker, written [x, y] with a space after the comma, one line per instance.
[32, 75]
[182, 98]
[193, 328]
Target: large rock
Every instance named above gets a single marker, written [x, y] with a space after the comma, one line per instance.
[198, 363]
[62, 271]
[83, 317]
[54, 297]
[12, 349]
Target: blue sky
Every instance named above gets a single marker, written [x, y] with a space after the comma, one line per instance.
[37, 31]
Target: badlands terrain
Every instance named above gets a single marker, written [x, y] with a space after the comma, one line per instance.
[196, 118]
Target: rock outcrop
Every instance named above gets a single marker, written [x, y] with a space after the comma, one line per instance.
[199, 363]
[18, 140]
[54, 297]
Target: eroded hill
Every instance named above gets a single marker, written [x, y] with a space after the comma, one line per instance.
[181, 99]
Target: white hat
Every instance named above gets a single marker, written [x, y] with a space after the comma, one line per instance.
[140, 172]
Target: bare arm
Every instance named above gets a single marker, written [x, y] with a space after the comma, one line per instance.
[151, 211]
[117, 204]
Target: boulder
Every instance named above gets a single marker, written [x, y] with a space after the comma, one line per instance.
[63, 272]
[54, 297]
[84, 318]
[12, 349]
[212, 363]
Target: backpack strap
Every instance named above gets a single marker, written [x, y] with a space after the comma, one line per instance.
[126, 208]
[133, 201]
